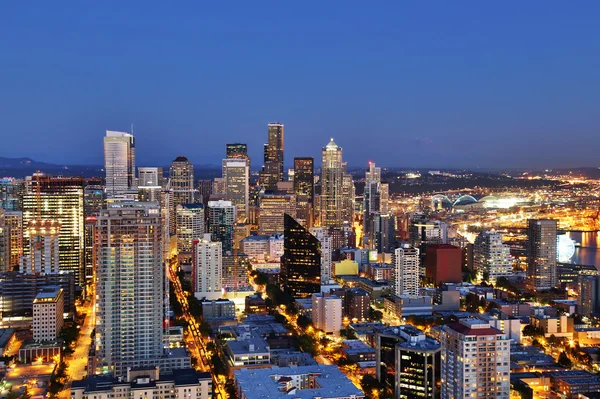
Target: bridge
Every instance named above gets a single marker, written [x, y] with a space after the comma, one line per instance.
[450, 200]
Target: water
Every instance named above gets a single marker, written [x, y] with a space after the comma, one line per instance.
[588, 253]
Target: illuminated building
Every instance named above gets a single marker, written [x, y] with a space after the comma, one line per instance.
[443, 264]
[181, 181]
[357, 304]
[59, 199]
[375, 202]
[272, 170]
[589, 296]
[475, 361]
[119, 163]
[11, 194]
[130, 285]
[93, 197]
[423, 231]
[205, 189]
[237, 151]
[326, 253]
[301, 261]
[381, 229]
[150, 184]
[221, 223]
[13, 220]
[304, 188]
[491, 256]
[5, 265]
[207, 268]
[332, 175]
[327, 313]
[348, 195]
[407, 271]
[236, 173]
[89, 257]
[235, 271]
[43, 254]
[272, 208]
[541, 253]
[48, 309]
[190, 227]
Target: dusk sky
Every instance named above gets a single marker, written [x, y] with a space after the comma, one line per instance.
[419, 84]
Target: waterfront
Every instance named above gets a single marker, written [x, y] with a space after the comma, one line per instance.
[587, 252]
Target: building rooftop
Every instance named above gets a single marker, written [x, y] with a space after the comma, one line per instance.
[272, 383]
[254, 344]
[48, 294]
[5, 335]
[473, 327]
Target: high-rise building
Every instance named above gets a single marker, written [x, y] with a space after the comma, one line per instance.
[491, 257]
[357, 304]
[205, 189]
[89, 240]
[221, 223]
[4, 244]
[130, 286]
[235, 271]
[475, 361]
[207, 268]
[541, 253]
[14, 222]
[272, 171]
[190, 227]
[93, 196]
[348, 195]
[406, 271]
[272, 208]
[43, 255]
[327, 313]
[150, 183]
[332, 182]
[301, 261]
[48, 310]
[589, 296]
[304, 188]
[443, 264]
[237, 151]
[236, 173]
[381, 228]
[423, 231]
[181, 181]
[59, 199]
[119, 163]
[326, 241]
[11, 194]
[373, 173]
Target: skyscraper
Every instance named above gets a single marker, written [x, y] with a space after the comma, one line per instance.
[475, 361]
[332, 175]
[150, 183]
[373, 173]
[301, 261]
[272, 208]
[207, 269]
[119, 163]
[272, 171]
[11, 194]
[491, 257]
[14, 222]
[43, 254]
[190, 227]
[382, 231]
[304, 188]
[59, 199]
[237, 151]
[130, 286]
[221, 222]
[326, 241]
[181, 181]
[236, 173]
[541, 253]
[5, 265]
[406, 271]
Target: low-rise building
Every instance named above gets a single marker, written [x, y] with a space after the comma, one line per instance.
[248, 350]
[559, 326]
[357, 351]
[255, 304]
[219, 309]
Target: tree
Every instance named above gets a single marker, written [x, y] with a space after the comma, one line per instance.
[348, 333]
[375, 315]
[26, 394]
[371, 386]
[532, 331]
[564, 361]
[303, 322]
[230, 389]
[307, 344]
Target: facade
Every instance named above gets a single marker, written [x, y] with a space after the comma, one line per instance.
[589, 295]
[13, 220]
[475, 361]
[150, 183]
[48, 310]
[272, 208]
[11, 194]
[221, 222]
[491, 257]
[331, 185]
[381, 229]
[326, 253]
[218, 309]
[327, 313]
[407, 275]
[4, 244]
[423, 231]
[181, 181]
[443, 264]
[235, 271]
[43, 256]
[357, 304]
[304, 188]
[301, 261]
[207, 268]
[236, 173]
[59, 199]
[119, 163]
[190, 227]
[130, 286]
[272, 170]
[541, 253]
[237, 151]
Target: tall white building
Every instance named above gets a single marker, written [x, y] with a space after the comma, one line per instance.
[332, 182]
[43, 256]
[119, 163]
[130, 286]
[327, 313]
[236, 173]
[150, 182]
[491, 256]
[48, 310]
[326, 253]
[406, 271]
[475, 361]
[207, 269]
[190, 227]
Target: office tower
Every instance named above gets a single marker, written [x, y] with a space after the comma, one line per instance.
[541, 253]
[475, 361]
[373, 173]
[331, 185]
[443, 264]
[272, 171]
[304, 188]
[5, 265]
[406, 271]
[59, 199]
[43, 255]
[130, 286]
[89, 241]
[237, 151]
[589, 296]
[327, 313]
[181, 181]
[190, 227]
[150, 183]
[301, 261]
[384, 197]
[119, 163]
[205, 189]
[272, 208]
[235, 271]
[491, 257]
[357, 304]
[48, 310]
[326, 242]
[207, 268]
[11, 194]
[236, 173]
[382, 231]
[221, 222]
[348, 195]
[424, 231]
[93, 196]
[14, 221]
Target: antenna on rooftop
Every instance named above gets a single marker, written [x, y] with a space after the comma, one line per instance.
[132, 129]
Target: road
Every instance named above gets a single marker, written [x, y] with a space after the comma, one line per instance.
[79, 359]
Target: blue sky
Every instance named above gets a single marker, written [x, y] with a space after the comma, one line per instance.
[438, 84]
